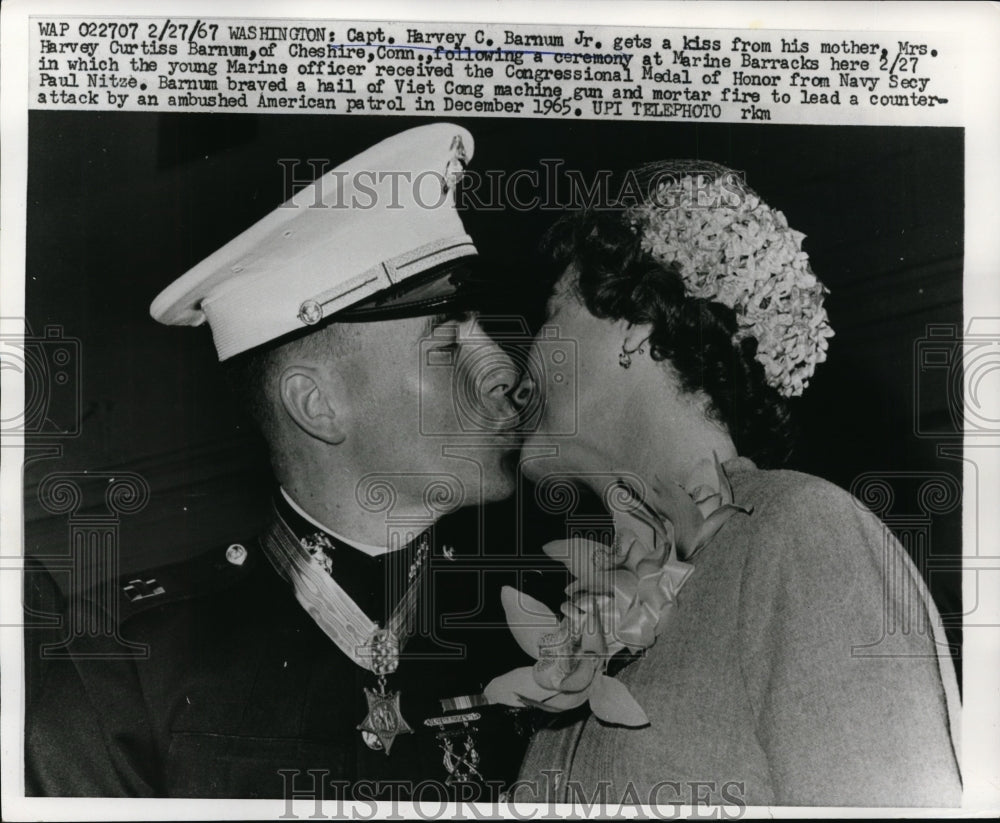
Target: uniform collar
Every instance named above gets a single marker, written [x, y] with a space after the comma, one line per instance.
[303, 515]
[374, 583]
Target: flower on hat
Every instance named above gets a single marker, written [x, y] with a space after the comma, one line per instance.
[622, 598]
[732, 248]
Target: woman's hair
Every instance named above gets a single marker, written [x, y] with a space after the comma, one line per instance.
[618, 280]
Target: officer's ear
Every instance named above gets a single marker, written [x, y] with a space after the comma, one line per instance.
[307, 397]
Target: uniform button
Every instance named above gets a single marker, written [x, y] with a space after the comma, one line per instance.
[236, 554]
[310, 312]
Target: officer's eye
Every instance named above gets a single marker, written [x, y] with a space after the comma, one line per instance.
[445, 337]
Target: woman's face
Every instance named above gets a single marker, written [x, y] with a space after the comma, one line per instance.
[583, 406]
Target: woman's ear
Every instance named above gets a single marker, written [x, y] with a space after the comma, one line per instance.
[307, 398]
[634, 336]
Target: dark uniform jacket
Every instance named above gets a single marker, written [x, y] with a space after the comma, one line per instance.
[235, 691]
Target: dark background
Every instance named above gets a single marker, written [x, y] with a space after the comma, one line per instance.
[121, 204]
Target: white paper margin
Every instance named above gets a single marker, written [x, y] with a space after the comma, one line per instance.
[979, 23]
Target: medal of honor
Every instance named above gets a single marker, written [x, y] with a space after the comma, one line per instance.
[345, 623]
[385, 718]
[384, 721]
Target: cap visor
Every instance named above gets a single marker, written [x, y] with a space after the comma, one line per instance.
[446, 288]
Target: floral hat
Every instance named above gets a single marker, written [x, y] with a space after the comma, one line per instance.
[732, 248]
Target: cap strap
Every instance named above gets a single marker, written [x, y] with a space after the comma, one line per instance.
[394, 270]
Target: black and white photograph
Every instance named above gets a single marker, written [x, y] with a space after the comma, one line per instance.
[523, 458]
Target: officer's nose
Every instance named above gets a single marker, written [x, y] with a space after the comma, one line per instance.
[523, 392]
[499, 378]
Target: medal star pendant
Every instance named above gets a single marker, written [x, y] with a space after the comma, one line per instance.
[384, 721]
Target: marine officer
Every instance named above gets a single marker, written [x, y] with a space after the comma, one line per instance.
[317, 663]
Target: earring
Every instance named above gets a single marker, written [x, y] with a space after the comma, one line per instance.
[624, 357]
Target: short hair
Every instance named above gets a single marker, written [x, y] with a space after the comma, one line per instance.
[617, 279]
[253, 375]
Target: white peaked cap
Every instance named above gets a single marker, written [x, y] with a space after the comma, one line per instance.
[371, 223]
